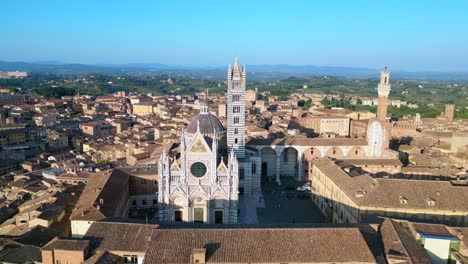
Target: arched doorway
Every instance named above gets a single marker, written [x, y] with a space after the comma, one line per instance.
[268, 156]
[289, 162]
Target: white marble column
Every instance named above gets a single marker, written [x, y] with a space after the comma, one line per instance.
[278, 167]
[300, 171]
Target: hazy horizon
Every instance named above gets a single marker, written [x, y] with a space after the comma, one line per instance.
[406, 36]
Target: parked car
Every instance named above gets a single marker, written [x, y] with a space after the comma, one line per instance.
[303, 188]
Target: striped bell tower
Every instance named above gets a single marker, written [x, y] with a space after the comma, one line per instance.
[236, 109]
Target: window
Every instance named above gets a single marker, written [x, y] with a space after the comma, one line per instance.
[130, 259]
[198, 169]
[236, 120]
[143, 181]
[198, 215]
[236, 98]
[218, 217]
[236, 131]
[241, 173]
[254, 168]
[58, 261]
[235, 141]
[134, 203]
[236, 109]
[178, 216]
[143, 202]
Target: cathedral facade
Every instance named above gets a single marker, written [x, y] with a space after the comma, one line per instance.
[201, 179]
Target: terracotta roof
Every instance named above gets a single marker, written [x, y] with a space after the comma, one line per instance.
[399, 244]
[372, 162]
[105, 186]
[300, 245]
[90, 124]
[67, 244]
[431, 229]
[380, 192]
[108, 236]
[104, 258]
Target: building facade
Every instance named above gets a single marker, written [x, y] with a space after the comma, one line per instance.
[199, 183]
[236, 109]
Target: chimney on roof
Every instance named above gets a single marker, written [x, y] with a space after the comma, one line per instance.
[198, 256]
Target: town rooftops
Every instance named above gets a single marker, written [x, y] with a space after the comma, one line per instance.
[372, 162]
[93, 124]
[257, 245]
[98, 198]
[108, 236]
[67, 244]
[396, 193]
[400, 246]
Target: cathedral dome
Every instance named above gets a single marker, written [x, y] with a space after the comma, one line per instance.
[208, 123]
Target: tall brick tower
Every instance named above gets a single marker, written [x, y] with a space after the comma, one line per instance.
[383, 90]
[236, 109]
[449, 111]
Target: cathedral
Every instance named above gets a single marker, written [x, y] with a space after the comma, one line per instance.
[201, 180]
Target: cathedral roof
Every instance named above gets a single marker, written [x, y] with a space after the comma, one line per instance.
[208, 123]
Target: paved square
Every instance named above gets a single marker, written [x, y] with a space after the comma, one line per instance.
[283, 204]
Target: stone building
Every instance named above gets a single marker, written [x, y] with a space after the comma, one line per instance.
[339, 126]
[358, 128]
[202, 177]
[199, 183]
[348, 197]
[251, 96]
[99, 200]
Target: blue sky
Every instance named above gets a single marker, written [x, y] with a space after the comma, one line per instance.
[406, 35]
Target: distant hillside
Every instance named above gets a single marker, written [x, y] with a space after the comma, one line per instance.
[256, 72]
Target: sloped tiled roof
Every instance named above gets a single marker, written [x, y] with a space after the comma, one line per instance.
[115, 236]
[105, 185]
[297, 245]
[381, 192]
